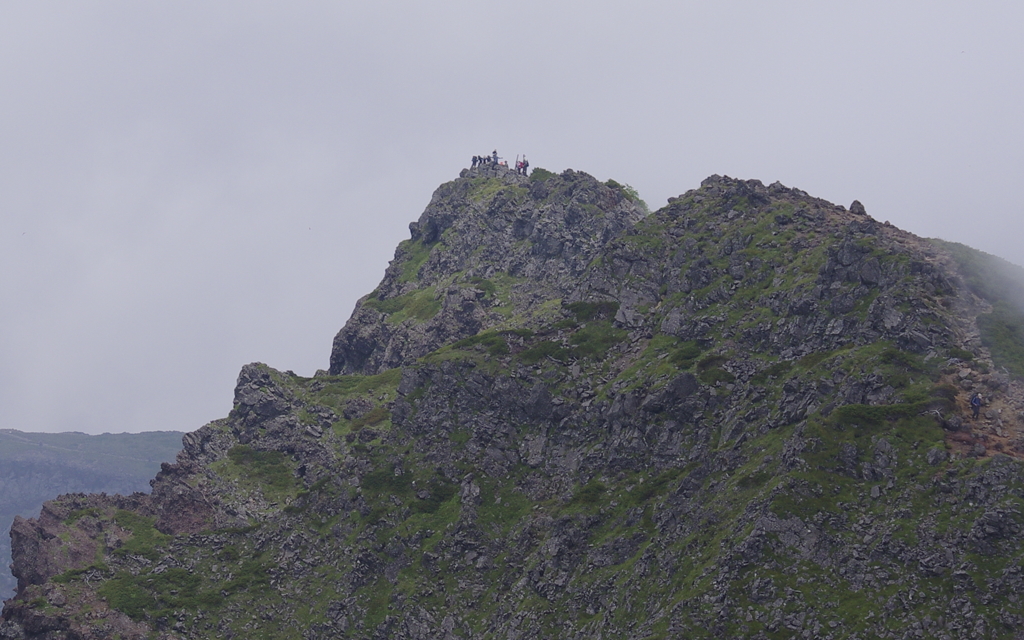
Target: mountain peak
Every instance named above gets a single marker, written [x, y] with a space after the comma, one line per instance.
[746, 414]
[487, 250]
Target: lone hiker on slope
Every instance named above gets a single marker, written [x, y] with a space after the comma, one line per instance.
[976, 404]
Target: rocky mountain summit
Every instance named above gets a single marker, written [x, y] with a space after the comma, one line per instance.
[743, 415]
[496, 228]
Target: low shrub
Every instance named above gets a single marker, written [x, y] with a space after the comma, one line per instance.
[540, 175]
[714, 376]
[594, 340]
[961, 354]
[587, 311]
[772, 371]
[947, 391]
[145, 538]
[421, 305]
[493, 341]
[590, 494]
[372, 417]
[812, 359]
[544, 349]
[265, 467]
[440, 492]
[685, 355]
[874, 415]
[711, 362]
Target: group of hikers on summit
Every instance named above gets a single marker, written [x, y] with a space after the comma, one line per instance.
[522, 166]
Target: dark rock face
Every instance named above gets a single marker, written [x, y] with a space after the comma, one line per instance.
[538, 236]
[740, 416]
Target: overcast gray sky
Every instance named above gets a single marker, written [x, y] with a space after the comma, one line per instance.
[187, 187]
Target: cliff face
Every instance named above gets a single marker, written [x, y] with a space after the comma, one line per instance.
[744, 415]
[35, 467]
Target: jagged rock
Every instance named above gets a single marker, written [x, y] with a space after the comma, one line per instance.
[546, 237]
[936, 455]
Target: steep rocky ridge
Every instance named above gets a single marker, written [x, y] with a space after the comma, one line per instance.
[35, 467]
[743, 415]
[489, 251]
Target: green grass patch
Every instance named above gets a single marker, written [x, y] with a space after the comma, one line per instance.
[73, 574]
[484, 189]
[494, 342]
[540, 175]
[501, 505]
[421, 305]
[371, 418]
[813, 359]
[267, 470]
[596, 339]
[544, 349]
[947, 391]
[754, 480]
[714, 376]
[440, 492]
[710, 370]
[685, 354]
[333, 391]
[416, 253]
[653, 487]
[124, 594]
[587, 311]
[904, 360]
[78, 514]
[589, 494]
[485, 285]
[863, 415]
[157, 594]
[145, 538]
[962, 354]
[629, 192]
[772, 371]
[711, 362]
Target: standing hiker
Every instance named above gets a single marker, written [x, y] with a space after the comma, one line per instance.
[976, 404]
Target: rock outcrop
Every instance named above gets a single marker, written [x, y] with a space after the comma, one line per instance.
[743, 415]
[490, 245]
[35, 467]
